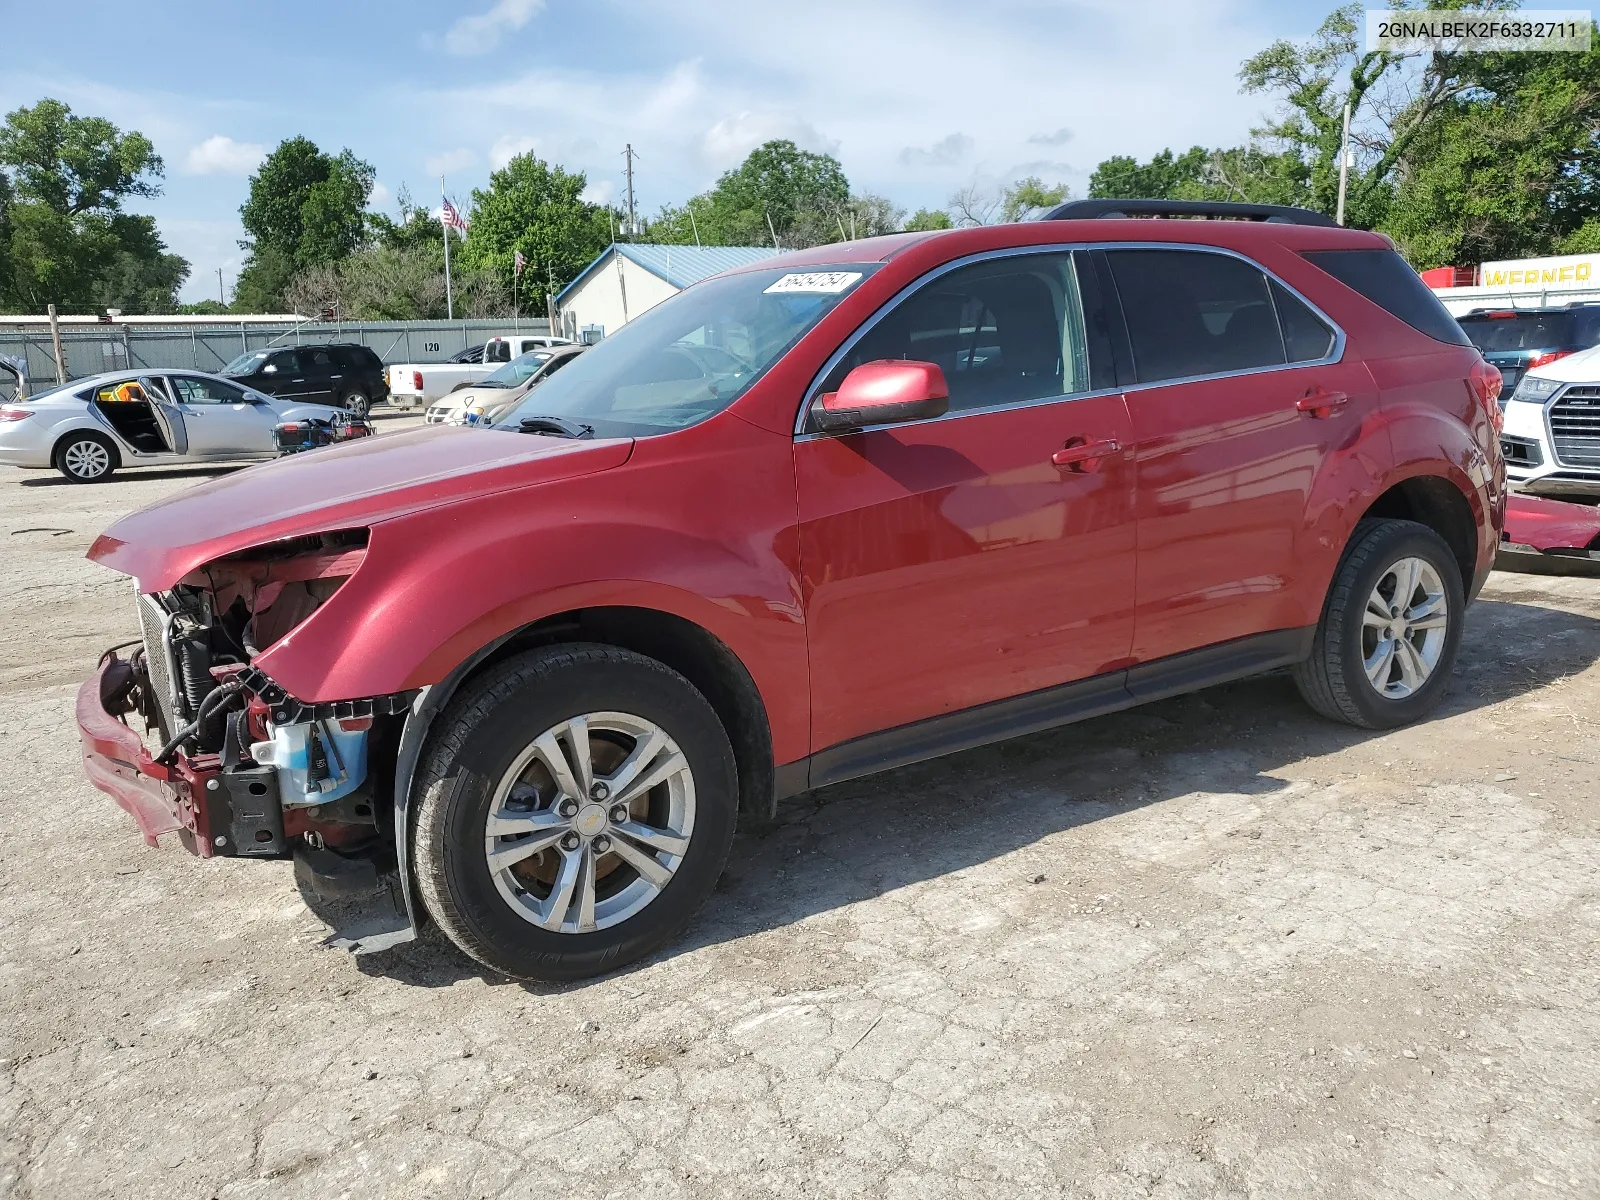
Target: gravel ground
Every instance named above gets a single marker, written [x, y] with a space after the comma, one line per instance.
[1214, 947]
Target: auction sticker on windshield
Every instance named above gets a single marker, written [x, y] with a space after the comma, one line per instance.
[826, 282]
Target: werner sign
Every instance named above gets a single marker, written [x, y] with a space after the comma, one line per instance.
[1563, 273]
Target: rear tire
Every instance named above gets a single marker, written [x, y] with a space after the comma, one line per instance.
[632, 880]
[84, 456]
[1390, 629]
[357, 404]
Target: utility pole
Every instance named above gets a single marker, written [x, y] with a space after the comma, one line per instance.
[221, 295]
[771, 230]
[627, 154]
[55, 340]
[1344, 163]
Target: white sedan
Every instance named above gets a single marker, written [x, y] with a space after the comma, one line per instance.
[90, 427]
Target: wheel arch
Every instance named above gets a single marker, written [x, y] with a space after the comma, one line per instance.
[688, 648]
[1438, 503]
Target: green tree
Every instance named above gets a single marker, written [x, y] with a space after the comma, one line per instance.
[305, 209]
[780, 191]
[1165, 177]
[64, 237]
[1510, 166]
[1029, 195]
[535, 207]
[927, 219]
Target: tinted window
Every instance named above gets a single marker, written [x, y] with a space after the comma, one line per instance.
[1586, 326]
[318, 361]
[1492, 332]
[1306, 336]
[1194, 313]
[286, 361]
[1002, 332]
[1383, 277]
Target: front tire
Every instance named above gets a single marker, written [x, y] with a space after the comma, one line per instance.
[86, 457]
[576, 807]
[1390, 629]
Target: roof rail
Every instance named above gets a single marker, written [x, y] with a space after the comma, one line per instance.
[1215, 210]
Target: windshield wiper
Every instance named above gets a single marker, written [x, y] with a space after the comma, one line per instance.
[556, 425]
[488, 383]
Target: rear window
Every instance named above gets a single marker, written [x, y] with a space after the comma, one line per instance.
[1523, 331]
[1385, 278]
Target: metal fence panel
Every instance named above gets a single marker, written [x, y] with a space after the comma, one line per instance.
[89, 350]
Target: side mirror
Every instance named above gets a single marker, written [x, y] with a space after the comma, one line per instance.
[884, 393]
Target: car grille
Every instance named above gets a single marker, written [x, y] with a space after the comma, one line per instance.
[153, 620]
[1575, 427]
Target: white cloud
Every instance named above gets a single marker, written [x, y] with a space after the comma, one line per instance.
[945, 152]
[730, 139]
[508, 147]
[481, 33]
[599, 192]
[221, 155]
[380, 196]
[449, 161]
[1059, 138]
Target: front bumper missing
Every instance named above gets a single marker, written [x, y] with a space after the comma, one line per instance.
[236, 813]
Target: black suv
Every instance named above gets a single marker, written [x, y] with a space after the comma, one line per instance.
[343, 374]
[1518, 339]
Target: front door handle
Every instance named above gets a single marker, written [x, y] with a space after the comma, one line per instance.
[1320, 403]
[1081, 455]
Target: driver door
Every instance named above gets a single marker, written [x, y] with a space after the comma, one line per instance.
[222, 419]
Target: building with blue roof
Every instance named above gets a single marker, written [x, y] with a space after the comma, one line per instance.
[629, 278]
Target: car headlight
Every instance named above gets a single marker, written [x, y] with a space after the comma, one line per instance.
[1533, 388]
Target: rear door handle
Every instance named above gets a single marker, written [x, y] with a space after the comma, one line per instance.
[1080, 455]
[1321, 403]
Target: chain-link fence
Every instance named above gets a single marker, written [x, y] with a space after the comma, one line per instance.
[89, 350]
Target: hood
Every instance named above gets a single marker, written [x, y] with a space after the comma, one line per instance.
[1582, 367]
[483, 395]
[338, 487]
[1551, 524]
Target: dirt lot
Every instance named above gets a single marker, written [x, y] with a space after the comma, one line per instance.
[1215, 947]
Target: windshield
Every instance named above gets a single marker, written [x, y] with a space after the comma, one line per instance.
[1535, 331]
[245, 363]
[690, 357]
[518, 370]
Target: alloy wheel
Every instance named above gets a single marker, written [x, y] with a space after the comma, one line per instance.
[1404, 627]
[590, 822]
[87, 459]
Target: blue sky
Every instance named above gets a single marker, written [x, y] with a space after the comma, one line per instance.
[915, 99]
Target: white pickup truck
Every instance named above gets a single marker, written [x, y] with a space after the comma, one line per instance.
[414, 384]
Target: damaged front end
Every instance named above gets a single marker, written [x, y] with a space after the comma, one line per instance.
[227, 759]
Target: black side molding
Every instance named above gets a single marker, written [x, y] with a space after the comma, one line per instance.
[1046, 709]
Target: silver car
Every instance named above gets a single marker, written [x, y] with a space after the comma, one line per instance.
[90, 427]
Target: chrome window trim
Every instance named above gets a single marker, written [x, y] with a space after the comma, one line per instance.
[812, 389]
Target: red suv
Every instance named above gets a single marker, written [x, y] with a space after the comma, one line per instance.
[821, 516]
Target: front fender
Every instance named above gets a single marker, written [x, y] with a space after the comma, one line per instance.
[438, 586]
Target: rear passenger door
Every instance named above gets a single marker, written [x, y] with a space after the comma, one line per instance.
[1239, 397]
[323, 375]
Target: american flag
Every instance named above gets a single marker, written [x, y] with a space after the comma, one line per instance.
[518, 262]
[451, 217]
